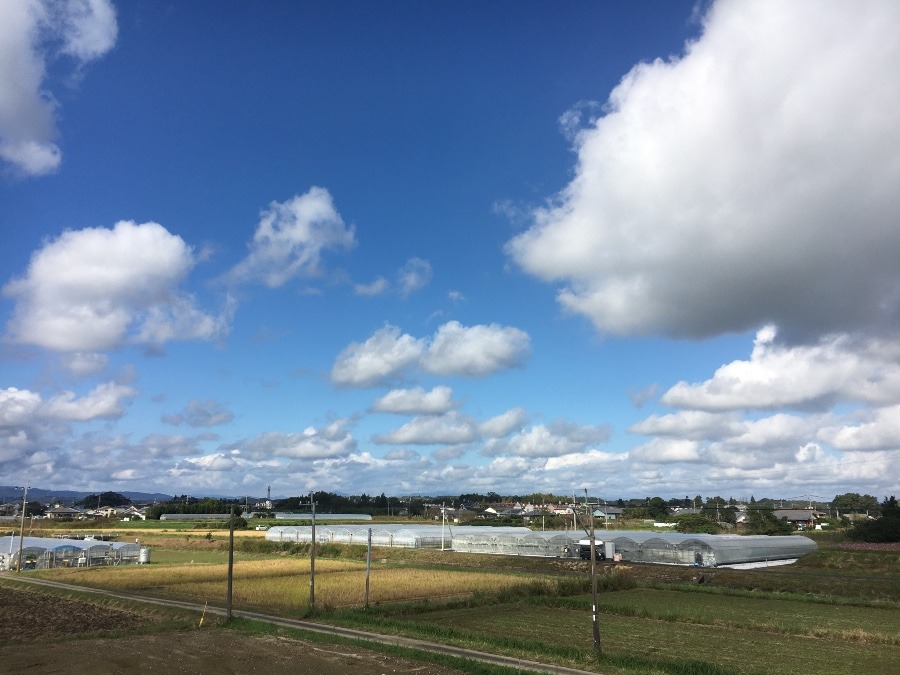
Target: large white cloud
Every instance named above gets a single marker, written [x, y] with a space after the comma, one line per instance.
[33, 32]
[752, 180]
[835, 369]
[386, 354]
[97, 289]
[818, 417]
[332, 440]
[105, 401]
[448, 429]
[291, 238]
[558, 439]
[454, 349]
[35, 438]
[879, 431]
[475, 350]
[504, 423]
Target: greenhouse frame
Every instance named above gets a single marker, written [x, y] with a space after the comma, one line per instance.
[706, 550]
[46, 552]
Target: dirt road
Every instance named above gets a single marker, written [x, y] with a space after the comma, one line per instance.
[41, 633]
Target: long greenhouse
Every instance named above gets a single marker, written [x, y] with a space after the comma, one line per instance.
[706, 550]
[47, 552]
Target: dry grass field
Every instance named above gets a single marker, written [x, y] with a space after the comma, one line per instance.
[282, 585]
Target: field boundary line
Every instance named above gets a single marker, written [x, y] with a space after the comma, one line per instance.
[300, 624]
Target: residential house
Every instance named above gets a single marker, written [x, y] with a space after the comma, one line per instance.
[64, 513]
[803, 519]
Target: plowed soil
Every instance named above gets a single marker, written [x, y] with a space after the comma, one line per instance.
[43, 633]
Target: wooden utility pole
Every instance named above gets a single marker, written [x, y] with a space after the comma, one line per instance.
[312, 553]
[595, 616]
[368, 565]
[22, 529]
[230, 563]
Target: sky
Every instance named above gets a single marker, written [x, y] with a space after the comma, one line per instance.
[642, 248]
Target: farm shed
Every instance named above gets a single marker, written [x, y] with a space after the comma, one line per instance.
[46, 552]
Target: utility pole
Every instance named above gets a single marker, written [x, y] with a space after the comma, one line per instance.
[368, 565]
[22, 529]
[230, 563]
[312, 553]
[595, 618]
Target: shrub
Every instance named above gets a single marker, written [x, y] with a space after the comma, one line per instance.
[692, 523]
[885, 529]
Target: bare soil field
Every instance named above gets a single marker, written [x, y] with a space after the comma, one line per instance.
[43, 633]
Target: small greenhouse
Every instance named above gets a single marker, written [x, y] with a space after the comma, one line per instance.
[46, 552]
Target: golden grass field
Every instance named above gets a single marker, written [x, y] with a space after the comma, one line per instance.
[284, 584]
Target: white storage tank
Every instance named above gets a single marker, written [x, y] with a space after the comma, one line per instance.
[144, 556]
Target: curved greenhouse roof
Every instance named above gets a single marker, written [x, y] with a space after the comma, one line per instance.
[45, 552]
[708, 550]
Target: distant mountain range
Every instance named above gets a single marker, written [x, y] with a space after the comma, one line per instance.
[10, 493]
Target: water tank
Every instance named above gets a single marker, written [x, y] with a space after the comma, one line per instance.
[144, 556]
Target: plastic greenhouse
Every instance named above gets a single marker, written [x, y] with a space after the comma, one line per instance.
[707, 550]
[45, 552]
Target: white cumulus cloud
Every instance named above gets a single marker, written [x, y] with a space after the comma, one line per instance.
[416, 401]
[96, 289]
[448, 429]
[475, 350]
[33, 33]
[837, 368]
[453, 350]
[750, 180]
[292, 237]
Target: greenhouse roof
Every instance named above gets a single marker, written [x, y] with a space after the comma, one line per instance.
[641, 546]
[11, 544]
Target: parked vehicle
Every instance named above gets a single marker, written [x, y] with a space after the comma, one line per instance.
[584, 549]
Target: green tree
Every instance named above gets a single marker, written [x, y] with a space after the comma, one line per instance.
[764, 521]
[693, 523]
[34, 509]
[853, 502]
[885, 529]
[656, 508]
[113, 499]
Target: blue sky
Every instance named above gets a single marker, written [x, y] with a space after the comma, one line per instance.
[427, 248]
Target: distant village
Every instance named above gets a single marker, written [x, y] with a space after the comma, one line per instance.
[546, 511]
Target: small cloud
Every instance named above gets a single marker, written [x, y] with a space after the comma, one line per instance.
[291, 238]
[415, 274]
[200, 414]
[377, 287]
[82, 364]
[416, 401]
[641, 397]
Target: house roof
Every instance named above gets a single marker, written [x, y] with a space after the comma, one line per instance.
[795, 514]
